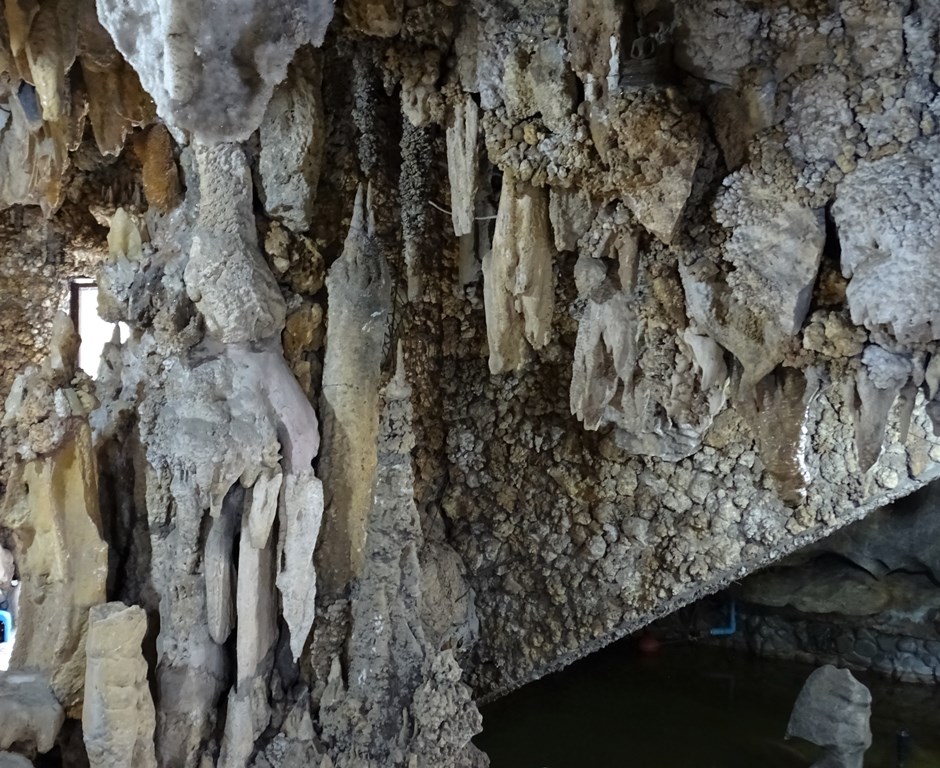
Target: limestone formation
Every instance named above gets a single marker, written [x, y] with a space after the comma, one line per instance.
[775, 246]
[30, 714]
[392, 668]
[667, 317]
[359, 289]
[381, 18]
[158, 171]
[188, 57]
[225, 277]
[52, 506]
[833, 710]
[879, 381]
[118, 717]
[886, 237]
[518, 280]
[609, 386]
[462, 163]
[292, 135]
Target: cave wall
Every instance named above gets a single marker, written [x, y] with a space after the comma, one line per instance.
[465, 338]
[865, 598]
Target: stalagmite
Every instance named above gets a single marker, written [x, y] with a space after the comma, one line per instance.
[52, 505]
[118, 717]
[386, 700]
[358, 286]
[248, 709]
[642, 368]
[518, 284]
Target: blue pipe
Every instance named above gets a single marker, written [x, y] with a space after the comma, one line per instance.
[732, 624]
[7, 618]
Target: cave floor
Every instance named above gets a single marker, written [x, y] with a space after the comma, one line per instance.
[687, 706]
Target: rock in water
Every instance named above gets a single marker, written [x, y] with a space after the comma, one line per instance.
[833, 711]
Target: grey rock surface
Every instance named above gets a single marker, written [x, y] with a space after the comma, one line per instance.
[211, 69]
[30, 714]
[833, 711]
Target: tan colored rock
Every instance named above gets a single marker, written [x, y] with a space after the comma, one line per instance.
[159, 173]
[303, 332]
[539, 82]
[30, 715]
[359, 300]
[518, 284]
[592, 26]
[379, 18]
[463, 130]
[52, 507]
[116, 103]
[653, 149]
[118, 717]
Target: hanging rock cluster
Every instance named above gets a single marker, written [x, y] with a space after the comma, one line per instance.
[464, 338]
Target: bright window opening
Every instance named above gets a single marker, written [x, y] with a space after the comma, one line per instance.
[94, 331]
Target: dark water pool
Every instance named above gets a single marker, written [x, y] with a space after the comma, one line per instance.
[686, 707]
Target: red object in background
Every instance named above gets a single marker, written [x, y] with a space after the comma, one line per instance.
[648, 643]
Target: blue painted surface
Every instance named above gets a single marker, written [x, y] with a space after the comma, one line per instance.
[732, 624]
[29, 101]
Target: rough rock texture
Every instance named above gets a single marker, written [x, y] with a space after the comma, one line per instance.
[518, 283]
[52, 508]
[685, 359]
[292, 137]
[225, 276]
[887, 236]
[60, 68]
[215, 419]
[208, 76]
[30, 715]
[832, 711]
[118, 717]
[359, 290]
[404, 703]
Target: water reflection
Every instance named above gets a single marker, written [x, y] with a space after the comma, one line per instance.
[687, 707]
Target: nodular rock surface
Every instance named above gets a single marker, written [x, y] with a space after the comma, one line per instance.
[600, 307]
